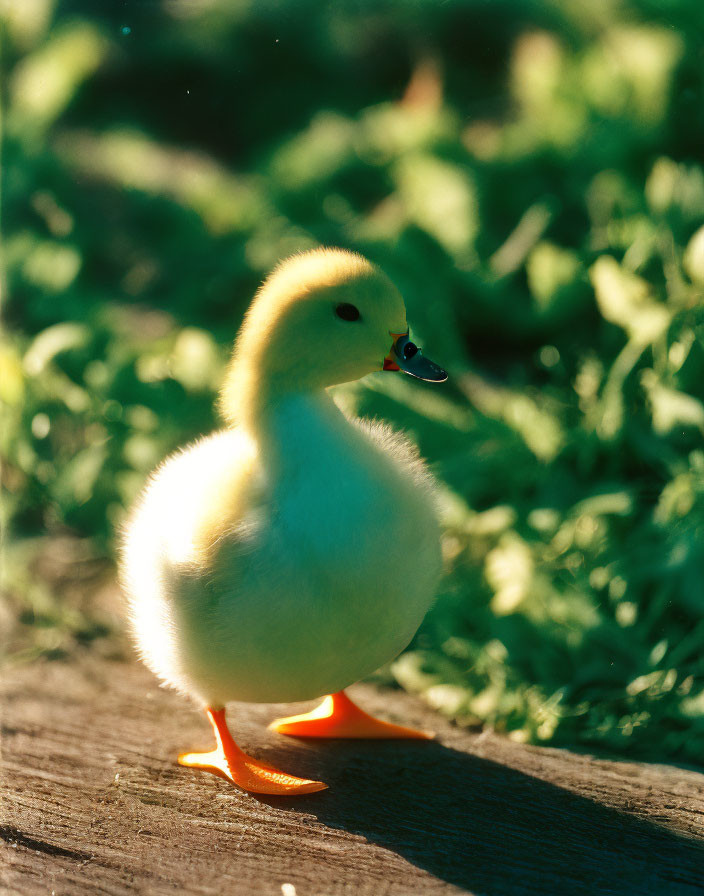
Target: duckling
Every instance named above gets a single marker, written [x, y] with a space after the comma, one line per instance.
[296, 550]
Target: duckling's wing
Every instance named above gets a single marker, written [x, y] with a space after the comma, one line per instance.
[197, 496]
[199, 499]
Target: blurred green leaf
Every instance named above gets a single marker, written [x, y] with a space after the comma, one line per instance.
[44, 82]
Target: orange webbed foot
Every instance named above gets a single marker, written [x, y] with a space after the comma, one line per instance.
[228, 761]
[338, 716]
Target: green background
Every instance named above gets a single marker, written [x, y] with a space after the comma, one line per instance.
[530, 175]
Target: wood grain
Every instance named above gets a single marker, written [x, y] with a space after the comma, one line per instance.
[93, 803]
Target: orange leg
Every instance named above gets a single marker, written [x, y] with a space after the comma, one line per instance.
[338, 716]
[228, 761]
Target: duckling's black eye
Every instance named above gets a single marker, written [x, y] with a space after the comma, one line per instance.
[345, 311]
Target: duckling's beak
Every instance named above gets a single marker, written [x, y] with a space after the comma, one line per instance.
[405, 355]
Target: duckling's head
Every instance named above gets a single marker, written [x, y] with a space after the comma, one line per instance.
[321, 318]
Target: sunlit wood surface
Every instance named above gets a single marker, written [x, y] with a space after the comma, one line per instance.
[92, 802]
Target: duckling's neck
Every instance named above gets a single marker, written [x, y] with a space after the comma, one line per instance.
[251, 393]
[298, 430]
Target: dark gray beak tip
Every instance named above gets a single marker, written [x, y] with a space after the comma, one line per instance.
[431, 373]
[410, 359]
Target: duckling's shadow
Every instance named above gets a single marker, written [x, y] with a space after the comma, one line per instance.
[489, 828]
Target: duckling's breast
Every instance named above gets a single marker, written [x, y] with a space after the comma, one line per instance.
[330, 576]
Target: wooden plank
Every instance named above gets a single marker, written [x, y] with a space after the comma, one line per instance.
[93, 803]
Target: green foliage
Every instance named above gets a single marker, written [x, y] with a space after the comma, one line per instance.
[528, 173]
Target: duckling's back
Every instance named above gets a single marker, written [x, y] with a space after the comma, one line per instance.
[189, 503]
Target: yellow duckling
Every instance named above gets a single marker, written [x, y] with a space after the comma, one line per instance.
[296, 551]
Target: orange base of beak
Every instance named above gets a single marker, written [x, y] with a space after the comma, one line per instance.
[390, 365]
